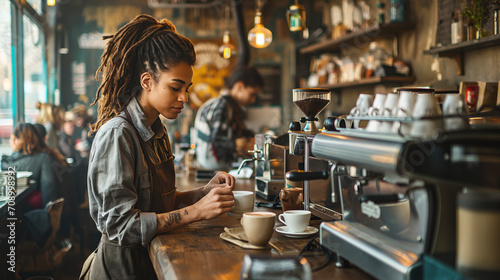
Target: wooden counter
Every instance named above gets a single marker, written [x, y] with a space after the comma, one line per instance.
[197, 252]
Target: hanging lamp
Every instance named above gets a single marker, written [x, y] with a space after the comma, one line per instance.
[296, 17]
[259, 36]
[227, 50]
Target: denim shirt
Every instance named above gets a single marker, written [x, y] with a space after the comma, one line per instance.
[119, 183]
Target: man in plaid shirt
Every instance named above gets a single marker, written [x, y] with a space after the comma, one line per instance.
[221, 130]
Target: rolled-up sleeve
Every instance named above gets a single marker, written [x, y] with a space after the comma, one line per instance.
[113, 183]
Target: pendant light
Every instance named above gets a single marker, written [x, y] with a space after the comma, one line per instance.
[296, 17]
[227, 50]
[259, 36]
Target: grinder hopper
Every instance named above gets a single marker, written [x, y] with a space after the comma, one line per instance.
[311, 101]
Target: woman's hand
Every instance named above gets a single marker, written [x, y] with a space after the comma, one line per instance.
[219, 200]
[221, 179]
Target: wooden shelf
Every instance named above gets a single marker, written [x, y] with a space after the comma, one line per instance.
[357, 39]
[453, 49]
[456, 51]
[371, 81]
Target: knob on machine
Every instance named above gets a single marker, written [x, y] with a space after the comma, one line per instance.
[311, 101]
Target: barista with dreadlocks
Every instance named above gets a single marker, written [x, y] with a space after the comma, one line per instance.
[146, 69]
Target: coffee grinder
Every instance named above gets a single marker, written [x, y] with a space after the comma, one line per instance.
[311, 101]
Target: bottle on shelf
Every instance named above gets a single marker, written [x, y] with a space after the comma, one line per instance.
[396, 9]
[381, 12]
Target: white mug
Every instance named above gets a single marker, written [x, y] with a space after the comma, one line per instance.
[243, 202]
[455, 112]
[426, 106]
[377, 107]
[391, 101]
[406, 102]
[362, 104]
[295, 220]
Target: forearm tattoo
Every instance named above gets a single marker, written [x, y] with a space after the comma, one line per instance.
[174, 218]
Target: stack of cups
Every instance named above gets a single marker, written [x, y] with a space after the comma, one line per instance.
[455, 112]
[376, 110]
[363, 104]
[391, 101]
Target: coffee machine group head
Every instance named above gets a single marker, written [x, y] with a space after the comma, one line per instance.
[311, 101]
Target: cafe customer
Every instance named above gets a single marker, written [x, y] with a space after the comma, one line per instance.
[30, 153]
[146, 70]
[222, 135]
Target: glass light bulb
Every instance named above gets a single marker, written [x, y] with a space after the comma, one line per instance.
[259, 36]
[227, 50]
[51, 2]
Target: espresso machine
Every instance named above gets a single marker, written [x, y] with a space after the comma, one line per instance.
[272, 160]
[397, 195]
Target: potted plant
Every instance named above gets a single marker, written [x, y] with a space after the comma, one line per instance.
[478, 12]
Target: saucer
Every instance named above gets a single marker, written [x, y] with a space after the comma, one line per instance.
[309, 231]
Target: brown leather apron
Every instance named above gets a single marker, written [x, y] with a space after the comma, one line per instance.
[112, 261]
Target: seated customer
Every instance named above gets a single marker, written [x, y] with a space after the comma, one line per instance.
[32, 154]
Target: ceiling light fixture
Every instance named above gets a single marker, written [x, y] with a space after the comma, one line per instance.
[296, 17]
[259, 36]
[227, 50]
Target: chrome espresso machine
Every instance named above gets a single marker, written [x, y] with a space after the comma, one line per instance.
[395, 196]
[272, 160]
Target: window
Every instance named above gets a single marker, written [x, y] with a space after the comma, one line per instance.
[6, 86]
[36, 4]
[35, 85]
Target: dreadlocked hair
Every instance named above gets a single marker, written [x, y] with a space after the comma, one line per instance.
[142, 45]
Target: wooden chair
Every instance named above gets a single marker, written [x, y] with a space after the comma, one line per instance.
[34, 258]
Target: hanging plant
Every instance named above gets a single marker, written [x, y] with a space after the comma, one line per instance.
[478, 14]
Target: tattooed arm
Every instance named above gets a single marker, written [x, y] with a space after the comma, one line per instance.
[218, 201]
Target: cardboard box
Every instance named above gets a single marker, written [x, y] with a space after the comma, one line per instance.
[487, 96]
[480, 96]
[472, 101]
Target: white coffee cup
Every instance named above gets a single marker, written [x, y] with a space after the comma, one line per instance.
[258, 227]
[391, 101]
[295, 220]
[363, 103]
[243, 202]
[377, 109]
[406, 102]
[455, 112]
[426, 106]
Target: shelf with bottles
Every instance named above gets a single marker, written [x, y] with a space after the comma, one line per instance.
[357, 38]
[396, 80]
[456, 51]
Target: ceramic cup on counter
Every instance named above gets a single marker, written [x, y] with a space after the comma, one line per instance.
[376, 110]
[426, 106]
[258, 227]
[292, 198]
[363, 104]
[295, 220]
[391, 101]
[243, 202]
[455, 112]
[403, 109]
